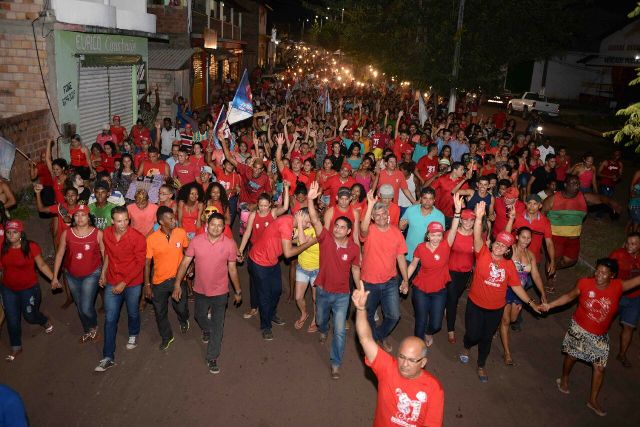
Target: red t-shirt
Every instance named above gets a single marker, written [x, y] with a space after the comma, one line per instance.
[291, 177]
[490, 280]
[44, 175]
[335, 263]
[380, 251]
[268, 248]
[83, 255]
[251, 187]
[139, 158]
[540, 228]
[462, 253]
[628, 268]
[395, 179]
[403, 401]
[19, 272]
[126, 256]
[230, 181]
[444, 198]
[333, 184]
[597, 307]
[400, 147]
[185, 173]
[380, 140]
[434, 267]
[427, 167]
[502, 218]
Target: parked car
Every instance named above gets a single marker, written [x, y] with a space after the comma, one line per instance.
[533, 102]
[501, 99]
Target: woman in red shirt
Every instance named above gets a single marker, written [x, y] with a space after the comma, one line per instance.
[80, 157]
[190, 208]
[20, 291]
[461, 260]
[487, 295]
[82, 249]
[587, 338]
[429, 293]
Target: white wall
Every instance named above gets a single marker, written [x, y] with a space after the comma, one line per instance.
[121, 14]
[567, 79]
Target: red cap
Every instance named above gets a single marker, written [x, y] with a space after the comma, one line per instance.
[80, 208]
[511, 193]
[14, 224]
[116, 118]
[435, 227]
[346, 165]
[505, 238]
[467, 214]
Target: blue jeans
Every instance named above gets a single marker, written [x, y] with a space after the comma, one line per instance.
[268, 281]
[112, 306]
[428, 308]
[84, 291]
[337, 305]
[388, 296]
[26, 303]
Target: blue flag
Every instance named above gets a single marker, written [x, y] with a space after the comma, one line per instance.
[7, 156]
[221, 123]
[327, 102]
[241, 107]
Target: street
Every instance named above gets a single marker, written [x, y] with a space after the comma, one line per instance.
[286, 382]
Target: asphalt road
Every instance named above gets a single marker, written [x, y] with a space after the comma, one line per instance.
[286, 382]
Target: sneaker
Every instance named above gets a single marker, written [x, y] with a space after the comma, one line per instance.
[205, 337]
[251, 313]
[165, 344]
[104, 364]
[132, 343]
[323, 338]
[213, 367]
[85, 338]
[335, 372]
[48, 327]
[267, 335]
[184, 327]
[276, 320]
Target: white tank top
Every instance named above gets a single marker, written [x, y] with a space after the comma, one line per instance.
[403, 202]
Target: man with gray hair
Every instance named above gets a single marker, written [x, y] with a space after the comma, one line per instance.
[384, 246]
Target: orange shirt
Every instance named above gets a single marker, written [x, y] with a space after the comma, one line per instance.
[166, 254]
[490, 280]
[380, 251]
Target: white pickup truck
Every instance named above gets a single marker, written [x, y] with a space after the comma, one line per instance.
[530, 101]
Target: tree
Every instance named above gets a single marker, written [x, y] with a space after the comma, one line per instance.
[630, 132]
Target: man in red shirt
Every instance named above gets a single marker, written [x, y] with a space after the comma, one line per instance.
[255, 180]
[294, 174]
[427, 166]
[503, 206]
[138, 132]
[628, 258]
[339, 258]
[230, 180]
[125, 250]
[407, 394]
[390, 174]
[610, 173]
[185, 171]
[264, 264]
[446, 186]
[342, 179]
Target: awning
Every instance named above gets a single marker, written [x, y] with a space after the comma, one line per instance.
[169, 59]
[100, 60]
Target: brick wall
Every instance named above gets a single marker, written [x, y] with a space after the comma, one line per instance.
[21, 89]
[172, 20]
[30, 133]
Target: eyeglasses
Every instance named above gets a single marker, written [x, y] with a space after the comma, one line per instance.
[414, 361]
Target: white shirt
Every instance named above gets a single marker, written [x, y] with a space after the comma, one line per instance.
[402, 199]
[167, 137]
[545, 151]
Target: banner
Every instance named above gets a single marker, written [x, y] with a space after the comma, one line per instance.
[327, 101]
[221, 123]
[7, 156]
[241, 108]
[422, 109]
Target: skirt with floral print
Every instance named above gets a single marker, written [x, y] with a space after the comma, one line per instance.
[584, 345]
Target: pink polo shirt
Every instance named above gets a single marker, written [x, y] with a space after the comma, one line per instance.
[211, 263]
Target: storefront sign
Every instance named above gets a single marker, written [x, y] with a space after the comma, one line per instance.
[103, 43]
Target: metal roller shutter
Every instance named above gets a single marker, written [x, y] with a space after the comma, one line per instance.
[104, 92]
[93, 102]
[121, 94]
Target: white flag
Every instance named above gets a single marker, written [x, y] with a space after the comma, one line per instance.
[422, 109]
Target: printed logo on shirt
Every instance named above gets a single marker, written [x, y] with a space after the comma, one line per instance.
[87, 247]
[345, 257]
[436, 257]
[177, 244]
[408, 409]
[598, 308]
[496, 276]
[79, 255]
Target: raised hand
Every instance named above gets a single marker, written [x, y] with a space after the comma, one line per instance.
[280, 139]
[371, 198]
[314, 190]
[481, 209]
[457, 202]
[359, 297]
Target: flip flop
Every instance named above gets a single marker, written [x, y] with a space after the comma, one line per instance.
[312, 328]
[596, 411]
[464, 358]
[484, 378]
[451, 339]
[11, 357]
[300, 322]
[560, 389]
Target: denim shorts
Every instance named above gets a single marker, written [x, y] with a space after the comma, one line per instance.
[629, 309]
[634, 214]
[306, 276]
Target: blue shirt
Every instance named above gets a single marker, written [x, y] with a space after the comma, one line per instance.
[12, 412]
[418, 226]
[419, 151]
[457, 150]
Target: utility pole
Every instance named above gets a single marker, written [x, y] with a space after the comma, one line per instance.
[456, 59]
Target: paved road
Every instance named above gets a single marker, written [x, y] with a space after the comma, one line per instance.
[286, 382]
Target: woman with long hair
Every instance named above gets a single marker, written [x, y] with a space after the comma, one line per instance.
[125, 174]
[82, 249]
[364, 174]
[190, 208]
[21, 295]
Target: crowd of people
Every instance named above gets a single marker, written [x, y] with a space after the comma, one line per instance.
[365, 201]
